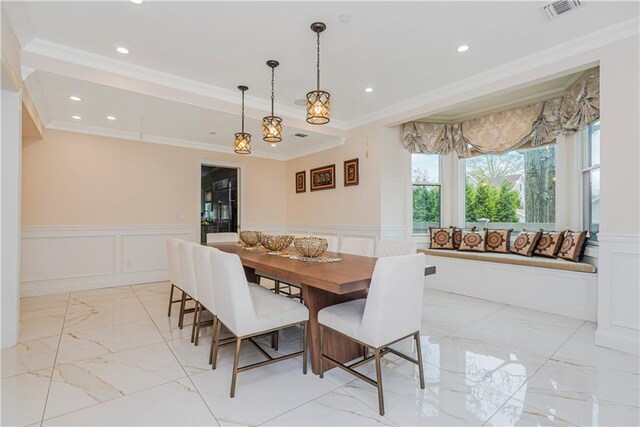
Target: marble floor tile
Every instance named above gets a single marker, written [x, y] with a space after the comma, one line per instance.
[102, 294]
[170, 404]
[82, 316]
[336, 408]
[452, 312]
[23, 398]
[514, 413]
[33, 328]
[99, 379]
[43, 302]
[28, 356]
[583, 395]
[84, 344]
[156, 288]
[261, 394]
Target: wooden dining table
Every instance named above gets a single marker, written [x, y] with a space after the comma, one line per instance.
[322, 284]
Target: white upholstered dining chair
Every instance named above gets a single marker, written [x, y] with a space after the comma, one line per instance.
[248, 315]
[395, 248]
[173, 258]
[222, 238]
[391, 312]
[188, 275]
[357, 246]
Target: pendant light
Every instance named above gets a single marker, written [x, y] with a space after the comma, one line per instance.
[242, 143]
[318, 102]
[272, 125]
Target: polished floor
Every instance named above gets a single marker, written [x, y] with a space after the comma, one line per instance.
[113, 357]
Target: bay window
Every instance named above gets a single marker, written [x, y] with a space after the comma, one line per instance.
[591, 181]
[426, 192]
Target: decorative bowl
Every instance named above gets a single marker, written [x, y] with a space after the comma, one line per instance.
[250, 238]
[311, 247]
[275, 242]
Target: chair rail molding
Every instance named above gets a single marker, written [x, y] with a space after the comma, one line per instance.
[76, 257]
[619, 292]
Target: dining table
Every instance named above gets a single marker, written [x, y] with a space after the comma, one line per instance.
[323, 284]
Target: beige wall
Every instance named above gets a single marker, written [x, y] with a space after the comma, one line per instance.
[355, 205]
[78, 179]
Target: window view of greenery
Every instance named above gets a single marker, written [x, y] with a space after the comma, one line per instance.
[513, 190]
[591, 182]
[426, 192]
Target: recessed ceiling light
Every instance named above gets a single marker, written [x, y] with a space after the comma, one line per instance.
[111, 118]
[75, 98]
[300, 102]
[213, 132]
[136, 1]
[345, 18]
[122, 50]
[76, 117]
[368, 90]
[463, 48]
[273, 145]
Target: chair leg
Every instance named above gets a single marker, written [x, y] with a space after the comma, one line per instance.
[235, 367]
[420, 368]
[321, 352]
[304, 348]
[216, 339]
[171, 299]
[195, 322]
[379, 381]
[183, 302]
[200, 313]
[213, 339]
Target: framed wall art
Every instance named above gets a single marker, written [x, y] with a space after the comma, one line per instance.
[351, 173]
[323, 178]
[301, 182]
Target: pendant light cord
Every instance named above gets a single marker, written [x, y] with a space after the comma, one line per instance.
[272, 90]
[318, 61]
[243, 111]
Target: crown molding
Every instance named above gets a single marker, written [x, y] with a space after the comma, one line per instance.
[90, 60]
[183, 143]
[34, 88]
[588, 42]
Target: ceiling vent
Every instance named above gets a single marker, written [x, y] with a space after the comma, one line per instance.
[300, 135]
[560, 7]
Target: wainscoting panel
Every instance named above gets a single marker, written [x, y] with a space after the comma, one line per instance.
[68, 258]
[619, 292]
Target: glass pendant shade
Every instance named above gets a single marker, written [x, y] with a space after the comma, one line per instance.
[272, 129]
[318, 107]
[242, 143]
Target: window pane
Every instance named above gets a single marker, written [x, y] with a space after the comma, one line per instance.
[513, 190]
[594, 144]
[425, 169]
[592, 202]
[426, 208]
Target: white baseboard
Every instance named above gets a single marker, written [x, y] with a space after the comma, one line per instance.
[71, 258]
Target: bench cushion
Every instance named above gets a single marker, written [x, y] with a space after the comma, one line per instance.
[556, 264]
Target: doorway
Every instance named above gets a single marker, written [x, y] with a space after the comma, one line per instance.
[218, 200]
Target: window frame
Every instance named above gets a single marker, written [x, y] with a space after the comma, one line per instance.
[439, 184]
[585, 173]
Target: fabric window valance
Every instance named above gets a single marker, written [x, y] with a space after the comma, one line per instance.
[530, 125]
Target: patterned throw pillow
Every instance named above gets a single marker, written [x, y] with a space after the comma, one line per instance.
[457, 235]
[498, 240]
[473, 241]
[549, 243]
[526, 242]
[441, 238]
[573, 245]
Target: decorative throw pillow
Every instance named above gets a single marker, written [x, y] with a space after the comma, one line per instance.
[526, 242]
[498, 240]
[473, 241]
[441, 238]
[573, 245]
[457, 235]
[549, 243]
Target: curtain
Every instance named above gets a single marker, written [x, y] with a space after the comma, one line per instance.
[530, 125]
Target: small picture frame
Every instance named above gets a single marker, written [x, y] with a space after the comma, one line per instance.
[351, 173]
[301, 182]
[323, 178]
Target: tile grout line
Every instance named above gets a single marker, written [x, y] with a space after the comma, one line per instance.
[55, 359]
[536, 371]
[176, 357]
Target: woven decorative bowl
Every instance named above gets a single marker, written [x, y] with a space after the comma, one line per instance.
[250, 238]
[275, 242]
[311, 247]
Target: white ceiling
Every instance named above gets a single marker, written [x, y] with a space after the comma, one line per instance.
[401, 49]
[160, 120]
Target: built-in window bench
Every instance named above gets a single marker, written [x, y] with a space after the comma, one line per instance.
[551, 285]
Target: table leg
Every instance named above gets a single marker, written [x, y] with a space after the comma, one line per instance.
[335, 345]
[250, 273]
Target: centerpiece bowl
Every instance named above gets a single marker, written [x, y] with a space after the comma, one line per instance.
[311, 247]
[275, 242]
[250, 238]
